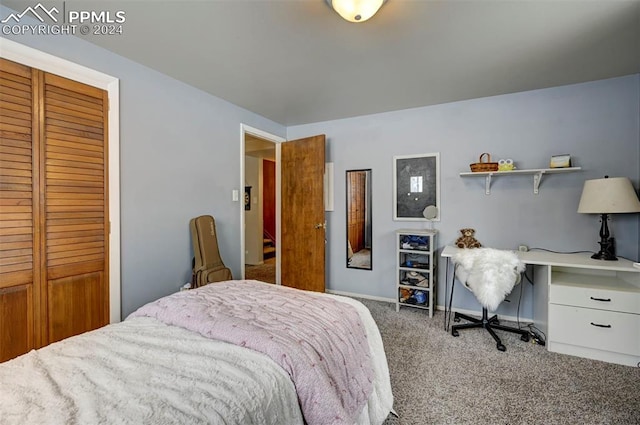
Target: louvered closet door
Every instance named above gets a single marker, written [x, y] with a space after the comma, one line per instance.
[17, 183]
[76, 207]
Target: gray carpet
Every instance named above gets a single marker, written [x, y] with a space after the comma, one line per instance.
[440, 379]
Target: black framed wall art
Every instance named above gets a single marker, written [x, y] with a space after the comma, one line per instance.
[416, 186]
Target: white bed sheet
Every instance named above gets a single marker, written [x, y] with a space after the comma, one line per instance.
[144, 372]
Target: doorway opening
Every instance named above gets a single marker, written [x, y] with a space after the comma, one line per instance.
[260, 206]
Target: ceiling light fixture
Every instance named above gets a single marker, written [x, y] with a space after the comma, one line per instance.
[356, 10]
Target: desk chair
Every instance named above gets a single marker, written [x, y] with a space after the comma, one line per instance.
[490, 274]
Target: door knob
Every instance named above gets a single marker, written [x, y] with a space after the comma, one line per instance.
[321, 226]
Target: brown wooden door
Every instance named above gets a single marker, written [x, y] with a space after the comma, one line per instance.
[76, 205]
[357, 209]
[53, 209]
[18, 195]
[269, 198]
[302, 214]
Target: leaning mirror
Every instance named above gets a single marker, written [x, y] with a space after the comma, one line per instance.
[359, 219]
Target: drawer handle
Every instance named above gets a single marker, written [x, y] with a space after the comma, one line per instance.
[601, 299]
[600, 326]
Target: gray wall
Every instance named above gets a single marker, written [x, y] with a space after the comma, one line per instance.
[179, 158]
[597, 123]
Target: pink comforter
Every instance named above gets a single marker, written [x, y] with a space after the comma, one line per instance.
[319, 341]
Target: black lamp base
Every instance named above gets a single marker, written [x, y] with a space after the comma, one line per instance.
[607, 245]
[605, 254]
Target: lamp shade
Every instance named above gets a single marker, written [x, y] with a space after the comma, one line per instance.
[356, 10]
[608, 195]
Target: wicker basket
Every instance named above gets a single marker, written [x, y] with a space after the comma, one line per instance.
[487, 165]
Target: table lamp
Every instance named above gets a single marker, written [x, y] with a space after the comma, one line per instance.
[608, 196]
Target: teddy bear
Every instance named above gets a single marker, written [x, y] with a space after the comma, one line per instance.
[467, 240]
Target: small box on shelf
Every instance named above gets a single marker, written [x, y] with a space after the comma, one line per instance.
[560, 161]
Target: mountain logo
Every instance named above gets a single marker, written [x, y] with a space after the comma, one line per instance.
[34, 12]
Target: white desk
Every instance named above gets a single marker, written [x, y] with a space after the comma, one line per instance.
[587, 308]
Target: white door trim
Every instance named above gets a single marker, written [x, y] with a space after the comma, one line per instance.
[37, 59]
[245, 129]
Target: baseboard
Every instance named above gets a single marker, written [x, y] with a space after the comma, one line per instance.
[438, 307]
[366, 297]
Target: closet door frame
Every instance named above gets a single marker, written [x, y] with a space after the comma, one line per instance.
[37, 59]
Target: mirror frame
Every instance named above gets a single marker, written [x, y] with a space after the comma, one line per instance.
[368, 227]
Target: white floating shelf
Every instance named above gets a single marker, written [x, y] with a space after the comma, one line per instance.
[537, 175]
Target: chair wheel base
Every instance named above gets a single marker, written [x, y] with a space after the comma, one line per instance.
[491, 324]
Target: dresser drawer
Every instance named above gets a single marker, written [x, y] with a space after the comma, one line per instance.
[590, 297]
[598, 329]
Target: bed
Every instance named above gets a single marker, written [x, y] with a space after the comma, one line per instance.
[235, 352]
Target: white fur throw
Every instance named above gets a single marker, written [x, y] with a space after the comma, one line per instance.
[489, 273]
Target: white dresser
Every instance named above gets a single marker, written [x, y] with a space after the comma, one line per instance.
[595, 313]
[588, 308]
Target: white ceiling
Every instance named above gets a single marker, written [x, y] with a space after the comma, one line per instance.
[297, 61]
